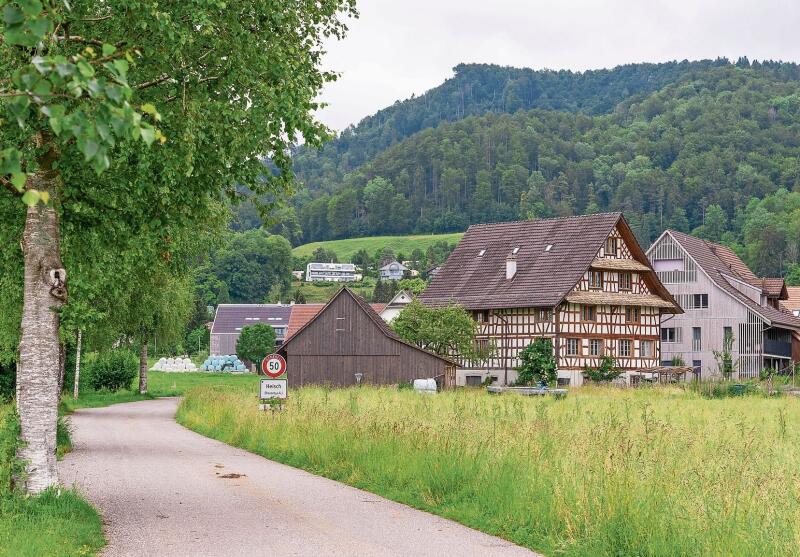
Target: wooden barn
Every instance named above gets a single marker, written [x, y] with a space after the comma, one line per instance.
[348, 343]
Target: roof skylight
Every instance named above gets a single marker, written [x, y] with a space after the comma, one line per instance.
[480, 253]
[549, 247]
[515, 250]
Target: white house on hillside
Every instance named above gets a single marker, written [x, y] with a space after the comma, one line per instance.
[396, 305]
[332, 272]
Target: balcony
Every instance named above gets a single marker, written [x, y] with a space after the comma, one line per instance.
[777, 348]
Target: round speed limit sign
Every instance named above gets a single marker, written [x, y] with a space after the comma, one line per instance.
[273, 365]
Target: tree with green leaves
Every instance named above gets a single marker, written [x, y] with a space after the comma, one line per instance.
[537, 363]
[726, 364]
[605, 372]
[210, 87]
[256, 342]
[447, 331]
[413, 285]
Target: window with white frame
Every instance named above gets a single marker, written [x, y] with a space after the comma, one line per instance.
[670, 334]
[625, 348]
[596, 347]
[647, 349]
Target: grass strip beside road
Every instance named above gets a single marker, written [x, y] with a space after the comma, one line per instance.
[657, 472]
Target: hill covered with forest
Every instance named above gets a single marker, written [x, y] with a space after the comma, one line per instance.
[692, 155]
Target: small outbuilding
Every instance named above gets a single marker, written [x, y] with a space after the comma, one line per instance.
[347, 343]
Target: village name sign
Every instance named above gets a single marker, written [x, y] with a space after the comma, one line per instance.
[274, 388]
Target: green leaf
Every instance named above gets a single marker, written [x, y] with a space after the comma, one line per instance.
[30, 198]
[108, 49]
[149, 109]
[148, 134]
[12, 15]
[19, 179]
[85, 69]
[88, 147]
[31, 8]
[42, 88]
[9, 161]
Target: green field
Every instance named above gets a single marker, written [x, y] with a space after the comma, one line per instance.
[161, 384]
[657, 472]
[345, 249]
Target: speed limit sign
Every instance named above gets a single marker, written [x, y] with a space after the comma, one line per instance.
[273, 365]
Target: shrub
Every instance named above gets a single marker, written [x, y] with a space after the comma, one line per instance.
[604, 373]
[8, 381]
[537, 363]
[10, 466]
[113, 370]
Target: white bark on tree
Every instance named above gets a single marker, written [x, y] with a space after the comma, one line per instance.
[143, 369]
[38, 368]
[76, 387]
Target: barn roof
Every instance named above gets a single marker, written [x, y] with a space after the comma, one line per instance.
[551, 257]
[303, 313]
[230, 318]
[722, 266]
[792, 303]
[372, 313]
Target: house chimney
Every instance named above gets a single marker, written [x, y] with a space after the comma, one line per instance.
[511, 267]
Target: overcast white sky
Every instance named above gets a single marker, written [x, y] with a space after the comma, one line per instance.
[400, 47]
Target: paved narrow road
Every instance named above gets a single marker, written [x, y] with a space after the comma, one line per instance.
[164, 490]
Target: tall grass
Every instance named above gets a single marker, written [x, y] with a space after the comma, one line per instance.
[605, 472]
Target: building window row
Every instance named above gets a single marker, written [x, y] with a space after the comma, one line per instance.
[671, 334]
[692, 301]
[597, 347]
[633, 314]
[597, 279]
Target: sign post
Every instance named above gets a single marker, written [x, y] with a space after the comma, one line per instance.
[273, 390]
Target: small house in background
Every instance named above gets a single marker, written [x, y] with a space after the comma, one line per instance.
[298, 274]
[393, 271]
[332, 272]
[396, 305]
[347, 343]
[792, 302]
[230, 319]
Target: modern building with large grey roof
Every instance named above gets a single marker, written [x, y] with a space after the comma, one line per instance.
[230, 319]
[721, 296]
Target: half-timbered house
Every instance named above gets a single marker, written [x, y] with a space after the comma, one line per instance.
[583, 282]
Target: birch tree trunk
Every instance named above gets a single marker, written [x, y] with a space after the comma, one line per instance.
[39, 351]
[76, 388]
[143, 368]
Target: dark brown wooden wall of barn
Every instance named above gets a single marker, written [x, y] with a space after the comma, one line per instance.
[343, 341]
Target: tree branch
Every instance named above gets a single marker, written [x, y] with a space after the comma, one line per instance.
[152, 83]
[10, 187]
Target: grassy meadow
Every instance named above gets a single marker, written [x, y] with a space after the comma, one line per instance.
[656, 472]
[346, 249]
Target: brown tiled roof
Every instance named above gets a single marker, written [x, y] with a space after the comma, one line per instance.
[544, 276]
[792, 303]
[599, 297]
[772, 287]
[619, 264]
[720, 262]
[303, 313]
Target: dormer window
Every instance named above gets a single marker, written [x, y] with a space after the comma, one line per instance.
[511, 268]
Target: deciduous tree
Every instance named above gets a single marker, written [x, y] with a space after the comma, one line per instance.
[84, 84]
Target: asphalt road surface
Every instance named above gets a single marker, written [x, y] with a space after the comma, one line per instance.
[164, 490]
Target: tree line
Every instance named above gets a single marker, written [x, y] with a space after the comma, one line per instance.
[692, 156]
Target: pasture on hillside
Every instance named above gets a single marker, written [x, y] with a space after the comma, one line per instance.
[658, 472]
[346, 249]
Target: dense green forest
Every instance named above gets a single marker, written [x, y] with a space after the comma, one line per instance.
[691, 156]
